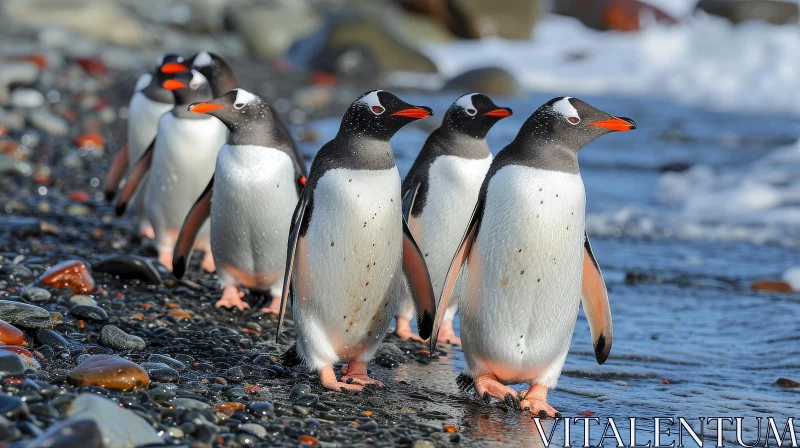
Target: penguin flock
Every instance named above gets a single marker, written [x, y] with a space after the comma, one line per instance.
[349, 245]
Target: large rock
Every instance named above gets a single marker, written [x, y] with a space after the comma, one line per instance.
[70, 434]
[269, 31]
[737, 11]
[24, 315]
[487, 80]
[474, 19]
[102, 20]
[356, 42]
[617, 15]
[109, 371]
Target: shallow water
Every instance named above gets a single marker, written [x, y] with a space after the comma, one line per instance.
[690, 319]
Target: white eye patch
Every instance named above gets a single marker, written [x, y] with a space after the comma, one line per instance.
[372, 101]
[565, 108]
[243, 98]
[465, 102]
[197, 80]
[202, 59]
[143, 81]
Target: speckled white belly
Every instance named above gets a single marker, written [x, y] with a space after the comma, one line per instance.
[348, 270]
[251, 211]
[183, 163]
[524, 276]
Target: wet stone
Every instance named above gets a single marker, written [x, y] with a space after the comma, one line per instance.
[190, 403]
[129, 267]
[306, 400]
[11, 335]
[12, 407]
[785, 382]
[82, 433]
[11, 364]
[70, 274]
[113, 337]
[24, 315]
[16, 271]
[89, 312]
[109, 371]
[389, 355]
[160, 372]
[254, 429]
[51, 338]
[81, 299]
[36, 294]
[171, 362]
[120, 428]
[261, 408]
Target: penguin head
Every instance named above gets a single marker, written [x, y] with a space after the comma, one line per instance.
[474, 114]
[216, 70]
[189, 87]
[379, 114]
[574, 122]
[235, 109]
[168, 65]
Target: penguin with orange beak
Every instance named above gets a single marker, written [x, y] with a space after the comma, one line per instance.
[149, 102]
[180, 163]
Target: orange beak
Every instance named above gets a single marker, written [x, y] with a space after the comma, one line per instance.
[173, 84]
[502, 112]
[616, 124]
[174, 67]
[414, 112]
[204, 108]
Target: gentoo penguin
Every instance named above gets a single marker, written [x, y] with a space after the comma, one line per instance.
[250, 199]
[440, 191]
[351, 256]
[182, 161]
[528, 259]
[149, 102]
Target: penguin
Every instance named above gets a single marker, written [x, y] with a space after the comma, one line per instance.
[529, 261]
[182, 159]
[149, 102]
[440, 190]
[350, 256]
[250, 200]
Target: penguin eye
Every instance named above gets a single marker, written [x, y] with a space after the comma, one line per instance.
[471, 112]
[573, 120]
[238, 105]
[377, 110]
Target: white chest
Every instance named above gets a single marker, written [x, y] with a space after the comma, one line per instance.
[143, 117]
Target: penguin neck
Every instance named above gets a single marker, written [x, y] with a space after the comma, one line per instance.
[267, 134]
[156, 93]
[448, 142]
[358, 151]
[224, 81]
[544, 153]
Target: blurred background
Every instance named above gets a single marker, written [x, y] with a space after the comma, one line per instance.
[694, 217]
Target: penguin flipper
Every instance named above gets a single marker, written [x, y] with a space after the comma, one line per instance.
[459, 259]
[294, 237]
[419, 284]
[408, 200]
[594, 297]
[198, 215]
[134, 179]
[116, 172]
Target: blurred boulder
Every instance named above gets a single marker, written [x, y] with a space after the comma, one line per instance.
[474, 19]
[737, 11]
[616, 15]
[355, 42]
[487, 80]
[269, 31]
[103, 20]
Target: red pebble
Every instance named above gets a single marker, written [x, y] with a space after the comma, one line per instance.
[80, 196]
[70, 274]
[664, 382]
[92, 66]
[323, 79]
[11, 335]
[587, 413]
[89, 140]
[18, 350]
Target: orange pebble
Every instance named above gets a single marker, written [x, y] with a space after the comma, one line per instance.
[89, 140]
[180, 314]
[449, 428]
[80, 196]
[229, 407]
[11, 335]
[367, 413]
[70, 274]
[172, 305]
[307, 440]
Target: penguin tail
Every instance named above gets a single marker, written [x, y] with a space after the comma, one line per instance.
[465, 382]
[291, 357]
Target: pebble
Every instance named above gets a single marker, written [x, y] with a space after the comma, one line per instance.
[81, 299]
[228, 408]
[255, 429]
[785, 382]
[12, 407]
[18, 271]
[113, 337]
[11, 335]
[51, 338]
[423, 444]
[27, 358]
[389, 355]
[261, 408]
[89, 312]
[24, 315]
[78, 210]
[11, 364]
[160, 372]
[70, 274]
[112, 372]
[26, 98]
[766, 285]
[120, 428]
[69, 434]
[174, 363]
[49, 122]
[130, 267]
[36, 294]
[190, 403]
[175, 432]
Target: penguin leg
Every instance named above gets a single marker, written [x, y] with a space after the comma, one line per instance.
[486, 385]
[328, 379]
[535, 400]
[146, 229]
[165, 257]
[204, 243]
[274, 306]
[357, 373]
[447, 333]
[232, 297]
[404, 331]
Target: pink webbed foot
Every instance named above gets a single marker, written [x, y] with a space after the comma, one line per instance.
[535, 400]
[146, 230]
[328, 380]
[447, 334]
[487, 386]
[208, 264]
[232, 297]
[403, 330]
[274, 306]
[165, 258]
[357, 373]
